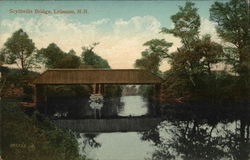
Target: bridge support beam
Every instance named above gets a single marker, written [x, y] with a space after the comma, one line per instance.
[40, 97]
[97, 88]
[34, 97]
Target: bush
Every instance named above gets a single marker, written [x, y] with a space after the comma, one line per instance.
[31, 138]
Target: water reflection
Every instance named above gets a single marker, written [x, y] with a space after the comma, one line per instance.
[118, 146]
[133, 106]
[77, 108]
[173, 140]
[198, 140]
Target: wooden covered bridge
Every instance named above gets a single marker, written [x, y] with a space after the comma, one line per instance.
[97, 78]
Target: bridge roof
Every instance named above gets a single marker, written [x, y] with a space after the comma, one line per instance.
[90, 76]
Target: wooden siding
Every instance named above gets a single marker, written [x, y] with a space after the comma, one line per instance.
[109, 125]
[90, 76]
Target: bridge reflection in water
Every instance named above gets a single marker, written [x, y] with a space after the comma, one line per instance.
[126, 124]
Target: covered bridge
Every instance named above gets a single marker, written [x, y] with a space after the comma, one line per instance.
[97, 76]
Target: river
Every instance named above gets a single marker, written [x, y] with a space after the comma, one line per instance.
[121, 146]
[174, 139]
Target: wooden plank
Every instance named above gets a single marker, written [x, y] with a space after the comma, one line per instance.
[109, 125]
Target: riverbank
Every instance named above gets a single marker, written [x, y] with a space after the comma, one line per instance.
[26, 137]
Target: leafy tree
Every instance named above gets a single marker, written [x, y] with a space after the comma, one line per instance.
[186, 27]
[89, 57]
[19, 49]
[190, 69]
[210, 52]
[152, 57]
[69, 61]
[192, 63]
[72, 52]
[54, 57]
[232, 20]
[186, 24]
[185, 63]
[149, 62]
[157, 50]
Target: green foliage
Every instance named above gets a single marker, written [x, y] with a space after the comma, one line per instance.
[152, 57]
[19, 49]
[177, 84]
[54, 57]
[192, 63]
[27, 138]
[186, 24]
[203, 53]
[72, 52]
[17, 79]
[69, 61]
[90, 58]
[232, 20]
[149, 62]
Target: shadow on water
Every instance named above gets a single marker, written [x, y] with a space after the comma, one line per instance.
[79, 108]
[175, 139]
[202, 133]
[73, 102]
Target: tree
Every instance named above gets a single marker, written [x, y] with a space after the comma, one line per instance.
[69, 61]
[192, 63]
[54, 57]
[210, 52]
[152, 57]
[90, 58]
[186, 24]
[232, 20]
[150, 62]
[186, 27]
[19, 49]
[72, 52]
[51, 55]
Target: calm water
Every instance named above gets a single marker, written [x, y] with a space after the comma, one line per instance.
[123, 146]
[133, 106]
[195, 139]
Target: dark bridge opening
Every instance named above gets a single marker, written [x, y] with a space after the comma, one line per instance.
[119, 101]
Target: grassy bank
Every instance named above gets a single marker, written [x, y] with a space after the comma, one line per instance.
[26, 137]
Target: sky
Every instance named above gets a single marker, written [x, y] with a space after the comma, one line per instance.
[120, 27]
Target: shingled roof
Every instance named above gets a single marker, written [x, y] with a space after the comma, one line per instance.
[90, 76]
